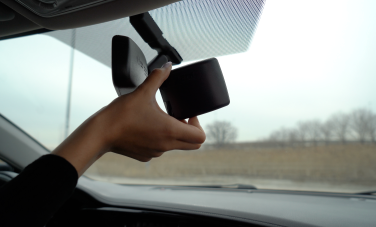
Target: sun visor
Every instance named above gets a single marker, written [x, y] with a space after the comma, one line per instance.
[197, 29]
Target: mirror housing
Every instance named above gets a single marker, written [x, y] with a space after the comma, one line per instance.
[189, 91]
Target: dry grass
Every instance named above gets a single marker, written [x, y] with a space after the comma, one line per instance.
[335, 163]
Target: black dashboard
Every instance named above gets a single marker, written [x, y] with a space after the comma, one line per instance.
[102, 204]
[116, 217]
[135, 205]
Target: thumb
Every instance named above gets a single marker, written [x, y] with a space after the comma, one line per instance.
[156, 79]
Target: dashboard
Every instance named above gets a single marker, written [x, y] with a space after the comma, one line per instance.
[245, 207]
[109, 216]
[97, 203]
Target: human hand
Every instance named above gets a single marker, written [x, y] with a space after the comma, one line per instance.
[132, 125]
[140, 129]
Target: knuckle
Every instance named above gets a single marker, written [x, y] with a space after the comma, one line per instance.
[156, 71]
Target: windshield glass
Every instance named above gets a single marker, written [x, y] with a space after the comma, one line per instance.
[302, 88]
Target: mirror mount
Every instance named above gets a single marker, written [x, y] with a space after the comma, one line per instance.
[150, 32]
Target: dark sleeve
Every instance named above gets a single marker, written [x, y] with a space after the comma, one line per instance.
[32, 198]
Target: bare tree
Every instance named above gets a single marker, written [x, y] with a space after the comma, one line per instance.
[326, 130]
[279, 137]
[221, 133]
[372, 128]
[302, 132]
[293, 137]
[360, 120]
[284, 135]
[275, 138]
[314, 133]
[341, 125]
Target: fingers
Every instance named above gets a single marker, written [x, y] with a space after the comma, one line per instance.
[141, 158]
[147, 154]
[194, 121]
[136, 156]
[156, 79]
[183, 121]
[179, 145]
[191, 132]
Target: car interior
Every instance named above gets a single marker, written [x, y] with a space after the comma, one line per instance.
[219, 28]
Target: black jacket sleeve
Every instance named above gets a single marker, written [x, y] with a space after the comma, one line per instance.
[32, 198]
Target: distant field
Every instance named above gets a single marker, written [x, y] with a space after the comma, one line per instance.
[334, 164]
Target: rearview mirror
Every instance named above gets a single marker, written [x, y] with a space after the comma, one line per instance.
[189, 91]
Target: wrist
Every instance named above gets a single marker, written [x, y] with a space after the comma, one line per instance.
[101, 129]
[85, 145]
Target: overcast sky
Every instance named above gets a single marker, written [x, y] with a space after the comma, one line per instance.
[307, 60]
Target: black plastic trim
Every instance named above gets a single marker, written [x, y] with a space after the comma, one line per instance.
[38, 31]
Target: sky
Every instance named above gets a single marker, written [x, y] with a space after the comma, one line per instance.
[307, 60]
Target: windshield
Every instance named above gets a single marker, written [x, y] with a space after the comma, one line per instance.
[302, 88]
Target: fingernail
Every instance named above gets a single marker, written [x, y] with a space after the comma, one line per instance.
[167, 64]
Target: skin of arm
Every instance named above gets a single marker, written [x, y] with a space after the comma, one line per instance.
[132, 125]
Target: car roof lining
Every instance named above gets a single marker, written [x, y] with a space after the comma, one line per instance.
[19, 24]
[26, 20]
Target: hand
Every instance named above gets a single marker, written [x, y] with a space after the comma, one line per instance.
[140, 129]
[132, 125]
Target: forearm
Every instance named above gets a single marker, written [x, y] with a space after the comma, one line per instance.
[85, 145]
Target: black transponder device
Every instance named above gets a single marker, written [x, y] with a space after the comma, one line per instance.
[195, 89]
[189, 91]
